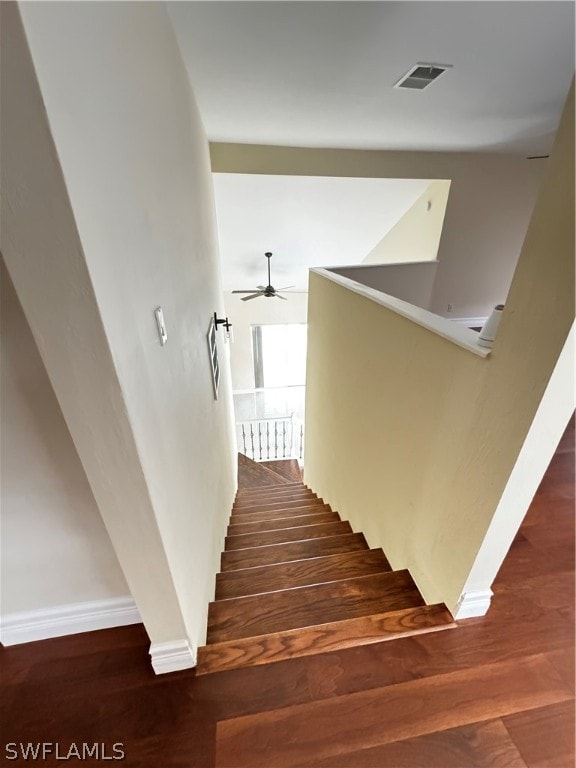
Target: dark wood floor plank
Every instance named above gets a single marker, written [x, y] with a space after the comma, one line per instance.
[255, 517]
[281, 535]
[312, 605]
[299, 735]
[544, 736]
[282, 522]
[254, 475]
[300, 573]
[479, 745]
[99, 685]
[288, 468]
[291, 644]
[285, 553]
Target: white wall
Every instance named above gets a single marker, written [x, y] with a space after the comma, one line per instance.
[135, 162]
[306, 222]
[244, 314]
[44, 256]
[55, 548]
[416, 236]
[409, 282]
[490, 203]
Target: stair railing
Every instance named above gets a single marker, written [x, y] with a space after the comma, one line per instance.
[271, 439]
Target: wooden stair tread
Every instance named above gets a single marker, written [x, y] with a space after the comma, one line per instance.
[274, 514]
[273, 498]
[282, 535]
[300, 573]
[302, 501]
[298, 550]
[242, 492]
[271, 506]
[307, 606]
[295, 580]
[290, 644]
[275, 523]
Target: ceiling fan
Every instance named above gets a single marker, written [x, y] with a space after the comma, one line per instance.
[265, 290]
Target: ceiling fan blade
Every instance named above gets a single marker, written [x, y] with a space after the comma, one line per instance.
[254, 296]
[280, 297]
[252, 290]
[285, 288]
[261, 287]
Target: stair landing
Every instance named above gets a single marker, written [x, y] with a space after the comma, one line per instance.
[295, 580]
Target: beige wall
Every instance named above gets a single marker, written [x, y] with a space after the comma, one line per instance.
[491, 199]
[413, 438]
[244, 314]
[157, 449]
[416, 236]
[55, 549]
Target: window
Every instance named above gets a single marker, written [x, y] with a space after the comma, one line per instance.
[279, 355]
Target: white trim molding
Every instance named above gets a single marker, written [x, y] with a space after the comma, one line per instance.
[44, 623]
[469, 322]
[473, 604]
[172, 656]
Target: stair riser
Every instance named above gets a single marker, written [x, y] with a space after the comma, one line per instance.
[275, 499]
[293, 583]
[282, 522]
[275, 514]
[309, 606]
[293, 644]
[300, 573]
[265, 538]
[275, 505]
[273, 487]
[284, 553]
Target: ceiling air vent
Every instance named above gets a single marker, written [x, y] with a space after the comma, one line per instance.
[421, 75]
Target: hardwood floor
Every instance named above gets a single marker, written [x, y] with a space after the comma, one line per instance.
[498, 692]
[251, 475]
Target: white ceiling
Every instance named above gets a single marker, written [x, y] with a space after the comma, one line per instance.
[305, 221]
[321, 73]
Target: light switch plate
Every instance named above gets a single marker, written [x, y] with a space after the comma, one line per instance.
[161, 325]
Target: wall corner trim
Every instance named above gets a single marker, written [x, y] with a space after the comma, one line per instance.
[61, 620]
[172, 656]
[473, 604]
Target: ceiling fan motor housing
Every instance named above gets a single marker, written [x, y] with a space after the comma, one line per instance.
[269, 291]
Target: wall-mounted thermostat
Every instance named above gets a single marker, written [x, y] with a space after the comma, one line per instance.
[161, 325]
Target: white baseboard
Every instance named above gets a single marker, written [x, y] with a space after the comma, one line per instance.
[469, 322]
[41, 624]
[473, 604]
[172, 656]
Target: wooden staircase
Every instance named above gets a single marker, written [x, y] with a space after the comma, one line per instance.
[296, 580]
